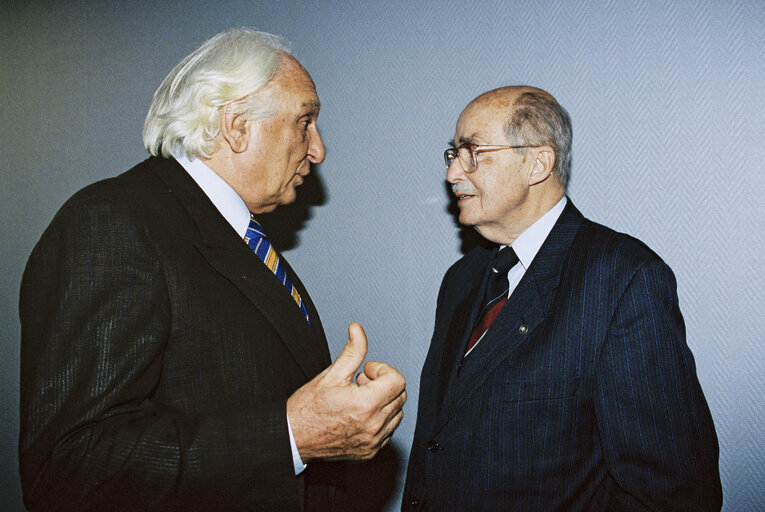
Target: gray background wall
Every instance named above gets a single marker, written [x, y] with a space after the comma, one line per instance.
[666, 100]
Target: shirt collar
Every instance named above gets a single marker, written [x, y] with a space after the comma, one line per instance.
[527, 245]
[225, 198]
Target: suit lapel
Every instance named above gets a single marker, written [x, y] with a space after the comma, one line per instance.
[526, 309]
[231, 257]
[456, 338]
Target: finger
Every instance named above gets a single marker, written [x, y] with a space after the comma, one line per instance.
[386, 386]
[374, 369]
[388, 413]
[352, 355]
[394, 406]
[362, 379]
[386, 432]
[384, 442]
[392, 425]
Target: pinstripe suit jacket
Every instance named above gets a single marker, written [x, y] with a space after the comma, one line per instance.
[157, 355]
[582, 396]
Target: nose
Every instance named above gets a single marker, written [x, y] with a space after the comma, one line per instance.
[455, 172]
[315, 147]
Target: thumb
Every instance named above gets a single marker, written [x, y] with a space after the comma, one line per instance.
[353, 353]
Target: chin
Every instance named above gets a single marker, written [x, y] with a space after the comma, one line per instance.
[288, 198]
[466, 220]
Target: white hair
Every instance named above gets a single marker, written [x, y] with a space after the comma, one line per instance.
[229, 68]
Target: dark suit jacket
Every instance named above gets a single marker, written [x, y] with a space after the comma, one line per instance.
[582, 395]
[157, 355]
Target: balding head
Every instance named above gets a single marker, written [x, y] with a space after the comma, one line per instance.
[533, 118]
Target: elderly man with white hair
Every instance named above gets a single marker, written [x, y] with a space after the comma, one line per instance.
[171, 359]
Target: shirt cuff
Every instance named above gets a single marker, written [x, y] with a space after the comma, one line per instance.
[297, 462]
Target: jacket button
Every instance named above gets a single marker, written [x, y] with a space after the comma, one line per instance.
[433, 446]
[415, 501]
[523, 329]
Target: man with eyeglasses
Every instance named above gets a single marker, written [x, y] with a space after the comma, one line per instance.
[558, 376]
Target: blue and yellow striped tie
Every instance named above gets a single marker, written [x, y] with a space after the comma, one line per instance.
[257, 241]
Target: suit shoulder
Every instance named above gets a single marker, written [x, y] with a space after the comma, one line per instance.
[609, 248]
[137, 193]
[131, 185]
[134, 199]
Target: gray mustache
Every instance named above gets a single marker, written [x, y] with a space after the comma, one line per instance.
[462, 188]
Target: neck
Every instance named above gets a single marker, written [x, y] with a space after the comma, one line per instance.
[536, 205]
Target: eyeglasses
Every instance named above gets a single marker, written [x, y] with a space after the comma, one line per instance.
[466, 154]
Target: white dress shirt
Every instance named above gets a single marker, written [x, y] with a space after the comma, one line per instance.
[526, 247]
[235, 211]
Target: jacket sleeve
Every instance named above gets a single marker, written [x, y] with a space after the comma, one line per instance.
[656, 430]
[96, 320]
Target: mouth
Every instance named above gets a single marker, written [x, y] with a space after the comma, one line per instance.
[461, 198]
[462, 192]
[300, 176]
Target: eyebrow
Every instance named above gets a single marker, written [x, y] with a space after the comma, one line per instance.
[461, 140]
[314, 104]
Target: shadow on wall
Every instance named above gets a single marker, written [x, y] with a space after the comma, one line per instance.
[283, 224]
[371, 486]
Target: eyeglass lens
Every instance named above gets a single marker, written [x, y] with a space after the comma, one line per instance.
[464, 154]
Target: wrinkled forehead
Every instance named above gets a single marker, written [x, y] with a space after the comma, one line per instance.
[291, 69]
[292, 83]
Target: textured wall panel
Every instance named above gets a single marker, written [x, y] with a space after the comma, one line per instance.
[668, 112]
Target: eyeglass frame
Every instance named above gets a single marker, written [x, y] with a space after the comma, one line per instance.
[475, 149]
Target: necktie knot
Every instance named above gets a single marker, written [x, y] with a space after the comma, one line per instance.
[504, 260]
[254, 231]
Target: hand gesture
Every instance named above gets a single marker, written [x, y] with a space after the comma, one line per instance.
[333, 418]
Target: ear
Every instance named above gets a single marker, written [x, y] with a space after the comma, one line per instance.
[234, 129]
[542, 165]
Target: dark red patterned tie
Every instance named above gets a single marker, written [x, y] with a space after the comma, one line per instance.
[496, 293]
